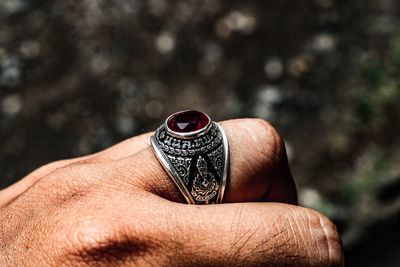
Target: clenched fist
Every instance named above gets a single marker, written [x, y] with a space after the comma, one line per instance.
[119, 208]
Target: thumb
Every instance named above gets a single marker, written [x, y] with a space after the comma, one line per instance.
[267, 234]
[251, 234]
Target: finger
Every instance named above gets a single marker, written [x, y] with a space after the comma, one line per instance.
[258, 166]
[245, 234]
[116, 152]
[260, 234]
[258, 161]
[126, 148]
[121, 150]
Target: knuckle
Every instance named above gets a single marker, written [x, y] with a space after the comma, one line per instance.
[265, 128]
[265, 160]
[69, 184]
[77, 171]
[267, 136]
[101, 241]
[48, 168]
[59, 164]
[325, 236]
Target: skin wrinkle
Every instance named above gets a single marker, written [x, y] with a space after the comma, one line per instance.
[146, 222]
[238, 215]
[137, 152]
[244, 239]
[119, 245]
[263, 154]
[284, 228]
[117, 221]
[279, 159]
[115, 251]
[20, 225]
[236, 222]
[326, 240]
[72, 195]
[252, 169]
[171, 227]
[26, 236]
[64, 167]
[276, 224]
[290, 213]
[303, 230]
[2, 236]
[309, 227]
[31, 236]
[234, 168]
[11, 232]
[11, 200]
[261, 247]
[5, 256]
[136, 170]
[279, 233]
[250, 134]
[174, 225]
[157, 185]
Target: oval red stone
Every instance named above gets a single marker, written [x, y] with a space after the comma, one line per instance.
[187, 121]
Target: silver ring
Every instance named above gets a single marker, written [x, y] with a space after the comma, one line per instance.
[194, 152]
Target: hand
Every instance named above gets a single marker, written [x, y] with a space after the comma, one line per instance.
[118, 207]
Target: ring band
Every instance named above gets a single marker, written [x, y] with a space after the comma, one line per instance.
[194, 152]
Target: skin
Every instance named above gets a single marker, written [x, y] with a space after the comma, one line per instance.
[119, 208]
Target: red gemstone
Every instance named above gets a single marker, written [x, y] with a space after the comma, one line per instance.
[188, 121]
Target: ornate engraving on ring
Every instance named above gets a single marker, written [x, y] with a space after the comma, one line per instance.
[182, 166]
[176, 143]
[217, 159]
[205, 185]
[173, 146]
[186, 144]
[197, 165]
[168, 140]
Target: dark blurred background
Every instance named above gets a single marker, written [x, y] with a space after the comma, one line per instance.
[79, 76]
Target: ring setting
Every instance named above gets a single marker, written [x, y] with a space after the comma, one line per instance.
[194, 152]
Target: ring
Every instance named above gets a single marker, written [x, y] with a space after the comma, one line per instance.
[194, 152]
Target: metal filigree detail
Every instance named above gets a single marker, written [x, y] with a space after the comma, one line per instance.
[182, 166]
[205, 186]
[197, 165]
[217, 159]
